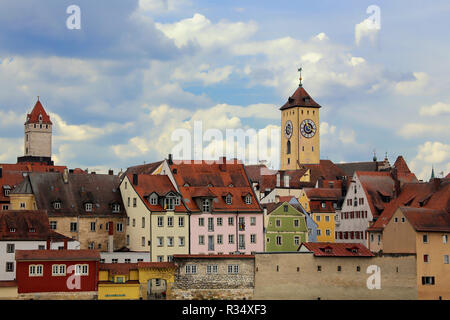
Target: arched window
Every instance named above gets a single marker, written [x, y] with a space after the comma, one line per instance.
[288, 147]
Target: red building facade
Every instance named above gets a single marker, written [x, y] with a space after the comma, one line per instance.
[63, 271]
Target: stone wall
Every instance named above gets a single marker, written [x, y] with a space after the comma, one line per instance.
[211, 294]
[295, 276]
[91, 295]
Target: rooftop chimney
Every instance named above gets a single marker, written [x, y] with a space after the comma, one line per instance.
[65, 244]
[135, 179]
[223, 163]
[111, 172]
[48, 247]
[170, 160]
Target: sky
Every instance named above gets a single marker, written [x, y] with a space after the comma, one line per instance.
[138, 70]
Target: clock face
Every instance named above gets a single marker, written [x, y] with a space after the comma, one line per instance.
[308, 128]
[288, 129]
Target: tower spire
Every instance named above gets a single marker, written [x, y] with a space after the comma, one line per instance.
[300, 70]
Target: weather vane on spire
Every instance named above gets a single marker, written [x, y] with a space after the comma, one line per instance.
[300, 70]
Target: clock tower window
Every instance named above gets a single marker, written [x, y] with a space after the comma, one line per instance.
[288, 147]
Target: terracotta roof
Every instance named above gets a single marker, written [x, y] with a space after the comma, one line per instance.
[272, 206]
[119, 268]
[427, 220]
[148, 168]
[350, 167]
[159, 184]
[377, 185]
[328, 249]
[323, 193]
[60, 255]
[447, 176]
[300, 98]
[213, 256]
[432, 195]
[157, 265]
[24, 221]
[37, 111]
[99, 189]
[213, 179]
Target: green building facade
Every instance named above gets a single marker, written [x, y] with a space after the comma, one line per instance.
[286, 228]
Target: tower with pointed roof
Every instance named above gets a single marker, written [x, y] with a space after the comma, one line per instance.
[300, 136]
[38, 136]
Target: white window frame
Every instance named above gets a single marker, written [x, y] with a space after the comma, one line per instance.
[88, 207]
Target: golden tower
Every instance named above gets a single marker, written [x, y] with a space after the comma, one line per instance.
[300, 136]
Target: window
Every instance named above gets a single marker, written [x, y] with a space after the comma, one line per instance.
[253, 238]
[170, 241]
[427, 280]
[181, 241]
[126, 185]
[319, 268]
[230, 221]
[278, 223]
[285, 208]
[319, 232]
[154, 200]
[9, 266]
[10, 248]
[426, 258]
[115, 260]
[128, 240]
[446, 261]
[296, 223]
[170, 221]
[91, 245]
[358, 269]
[134, 222]
[201, 240]
[371, 237]
[219, 221]
[160, 241]
[134, 202]
[58, 270]
[160, 221]
[128, 201]
[160, 258]
[181, 221]
[278, 240]
[191, 269]
[205, 205]
[158, 282]
[445, 238]
[143, 241]
[231, 238]
[7, 191]
[425, 238]
[116, 208]
[177, 201]
[296, 240]
[88, 207]
[211, 268]
[119, 227]
[242, 242]
[57, 205]
[35, 270]
[169, 203]
[323, 204]
[229, 199]
[327, 232]
[219, 239]
[53, 225]
[395, 219]
[241, 224]
[233, 269]
[318, 218]
[253, 221]
[248, 199]
[327, 218]
[22, 205]
[210, 224]
[5, 207]
[201, 222]
[12, 230]
[339, 268]
[92, 226]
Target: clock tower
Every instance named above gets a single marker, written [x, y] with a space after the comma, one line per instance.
[300, 138]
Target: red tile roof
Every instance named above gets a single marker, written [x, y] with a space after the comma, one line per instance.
[159, 184]
[376, 185]
[427, 220]
[328, 249]
[323, 193]
[60, 255]
[431, 195]
[300, 98]
[118, 268]
[213, 179]
[37, 111]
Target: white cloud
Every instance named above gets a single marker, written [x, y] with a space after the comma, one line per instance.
[431, 154]
[436, 109]
[161, 6]
[410, 130]
[11, 149]
[415, 86]
[365, 29]
[202, 31]
[203, 73]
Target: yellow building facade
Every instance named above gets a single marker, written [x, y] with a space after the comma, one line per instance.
[300, 136]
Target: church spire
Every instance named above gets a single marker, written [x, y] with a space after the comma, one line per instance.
[432, 172]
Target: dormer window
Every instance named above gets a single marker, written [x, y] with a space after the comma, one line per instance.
[323, 204]
[57, 205]
[248, 199]
[88, 207]
[177, 201]
[116, 208]
[32, 230]
[231, 185]
[229, 199]
[153, 200]
[7, 190]
[186, 185]
[12, 229]
[169, 203]
[40, 118]
[206, 207]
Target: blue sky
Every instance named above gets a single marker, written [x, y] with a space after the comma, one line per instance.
[138, 70]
